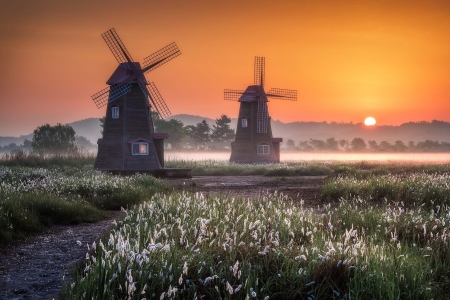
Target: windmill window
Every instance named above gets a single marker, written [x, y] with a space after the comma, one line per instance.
[139, 148]
[115, 112]
[244, 122]
[263, 149]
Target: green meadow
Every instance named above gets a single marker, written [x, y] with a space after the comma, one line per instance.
[380, 232]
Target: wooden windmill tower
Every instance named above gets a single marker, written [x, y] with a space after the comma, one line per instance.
[254, 142]
[129, 142]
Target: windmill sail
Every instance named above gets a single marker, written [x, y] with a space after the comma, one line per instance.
[116, 46]
[260, 71]
[282, 94]
[160, 57]
[262, 119]
[237, 95]
[128, 72]
[110, 94]
[158, 102]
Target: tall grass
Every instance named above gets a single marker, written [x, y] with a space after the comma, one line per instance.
[26, 214]
[33, 198]
[185, 246]
[414, 189]
[21, 159]
[222, 168]
[307, 168]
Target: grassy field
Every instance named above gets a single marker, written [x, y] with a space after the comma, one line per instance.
[185, 246]
[309, 168]
[36, 193]
[382, 231]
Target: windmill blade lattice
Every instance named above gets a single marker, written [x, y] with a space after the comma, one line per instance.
[260, 70]
[158, 102]
[110, 94]
[116, 46]
[239, 95]
[160, 57]
[262, 118]
[282, 94]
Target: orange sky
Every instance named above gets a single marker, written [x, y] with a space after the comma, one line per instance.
[348, 59]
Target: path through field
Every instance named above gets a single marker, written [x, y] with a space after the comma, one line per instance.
[307, 188]
[35, 268]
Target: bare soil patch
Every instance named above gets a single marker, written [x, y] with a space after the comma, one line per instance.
[306, 188]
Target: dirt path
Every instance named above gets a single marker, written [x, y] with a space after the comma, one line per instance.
[34, 268]
[306, 188]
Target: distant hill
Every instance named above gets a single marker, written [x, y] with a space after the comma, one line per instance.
[6, 140]
[420, 131]
[297, 131]
[301, 131]
[192, 120]
[89, 128]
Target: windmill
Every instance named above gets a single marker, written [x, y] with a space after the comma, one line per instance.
[254, 142]
[129, 142]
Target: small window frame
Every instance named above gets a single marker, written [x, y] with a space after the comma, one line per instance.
[115, 112]
[138, 148]
[263, 149]
[244, 122]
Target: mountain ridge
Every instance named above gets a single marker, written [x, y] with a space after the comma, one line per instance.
[298, 131]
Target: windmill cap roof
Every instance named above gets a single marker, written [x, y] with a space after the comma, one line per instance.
[253, 93]
[126, 69]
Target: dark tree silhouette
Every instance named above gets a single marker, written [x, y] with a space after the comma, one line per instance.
[199, 133]
[332, 144]
[318, 145]
[400, 146]
[174, 128]
[343, 144]
[385, 146]
[358, 144]
[221, 132]
[290, 144]
[59, 139]
[373, 145]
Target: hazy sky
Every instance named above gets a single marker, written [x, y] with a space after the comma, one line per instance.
[348, 59]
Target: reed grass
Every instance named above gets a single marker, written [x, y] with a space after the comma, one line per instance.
[413, 189]
[32, 199]
[22, 159]
[186, 246]
[308, 168]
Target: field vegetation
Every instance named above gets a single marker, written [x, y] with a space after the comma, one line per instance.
[381, 232]
[308, 168]
[37, 191]
[186, 246]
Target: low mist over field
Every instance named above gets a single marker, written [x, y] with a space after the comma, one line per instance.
[299, 156]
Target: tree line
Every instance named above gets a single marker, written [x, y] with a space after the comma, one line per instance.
[61, 139]
[58, 139]
[360, 145]
[199, 136]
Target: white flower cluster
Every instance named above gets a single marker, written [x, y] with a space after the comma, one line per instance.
[75, 182]
[189, 245]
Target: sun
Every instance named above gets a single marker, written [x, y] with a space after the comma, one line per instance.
[370, 121]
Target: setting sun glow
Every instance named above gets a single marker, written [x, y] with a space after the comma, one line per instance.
[369, 121]
[347, 59]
